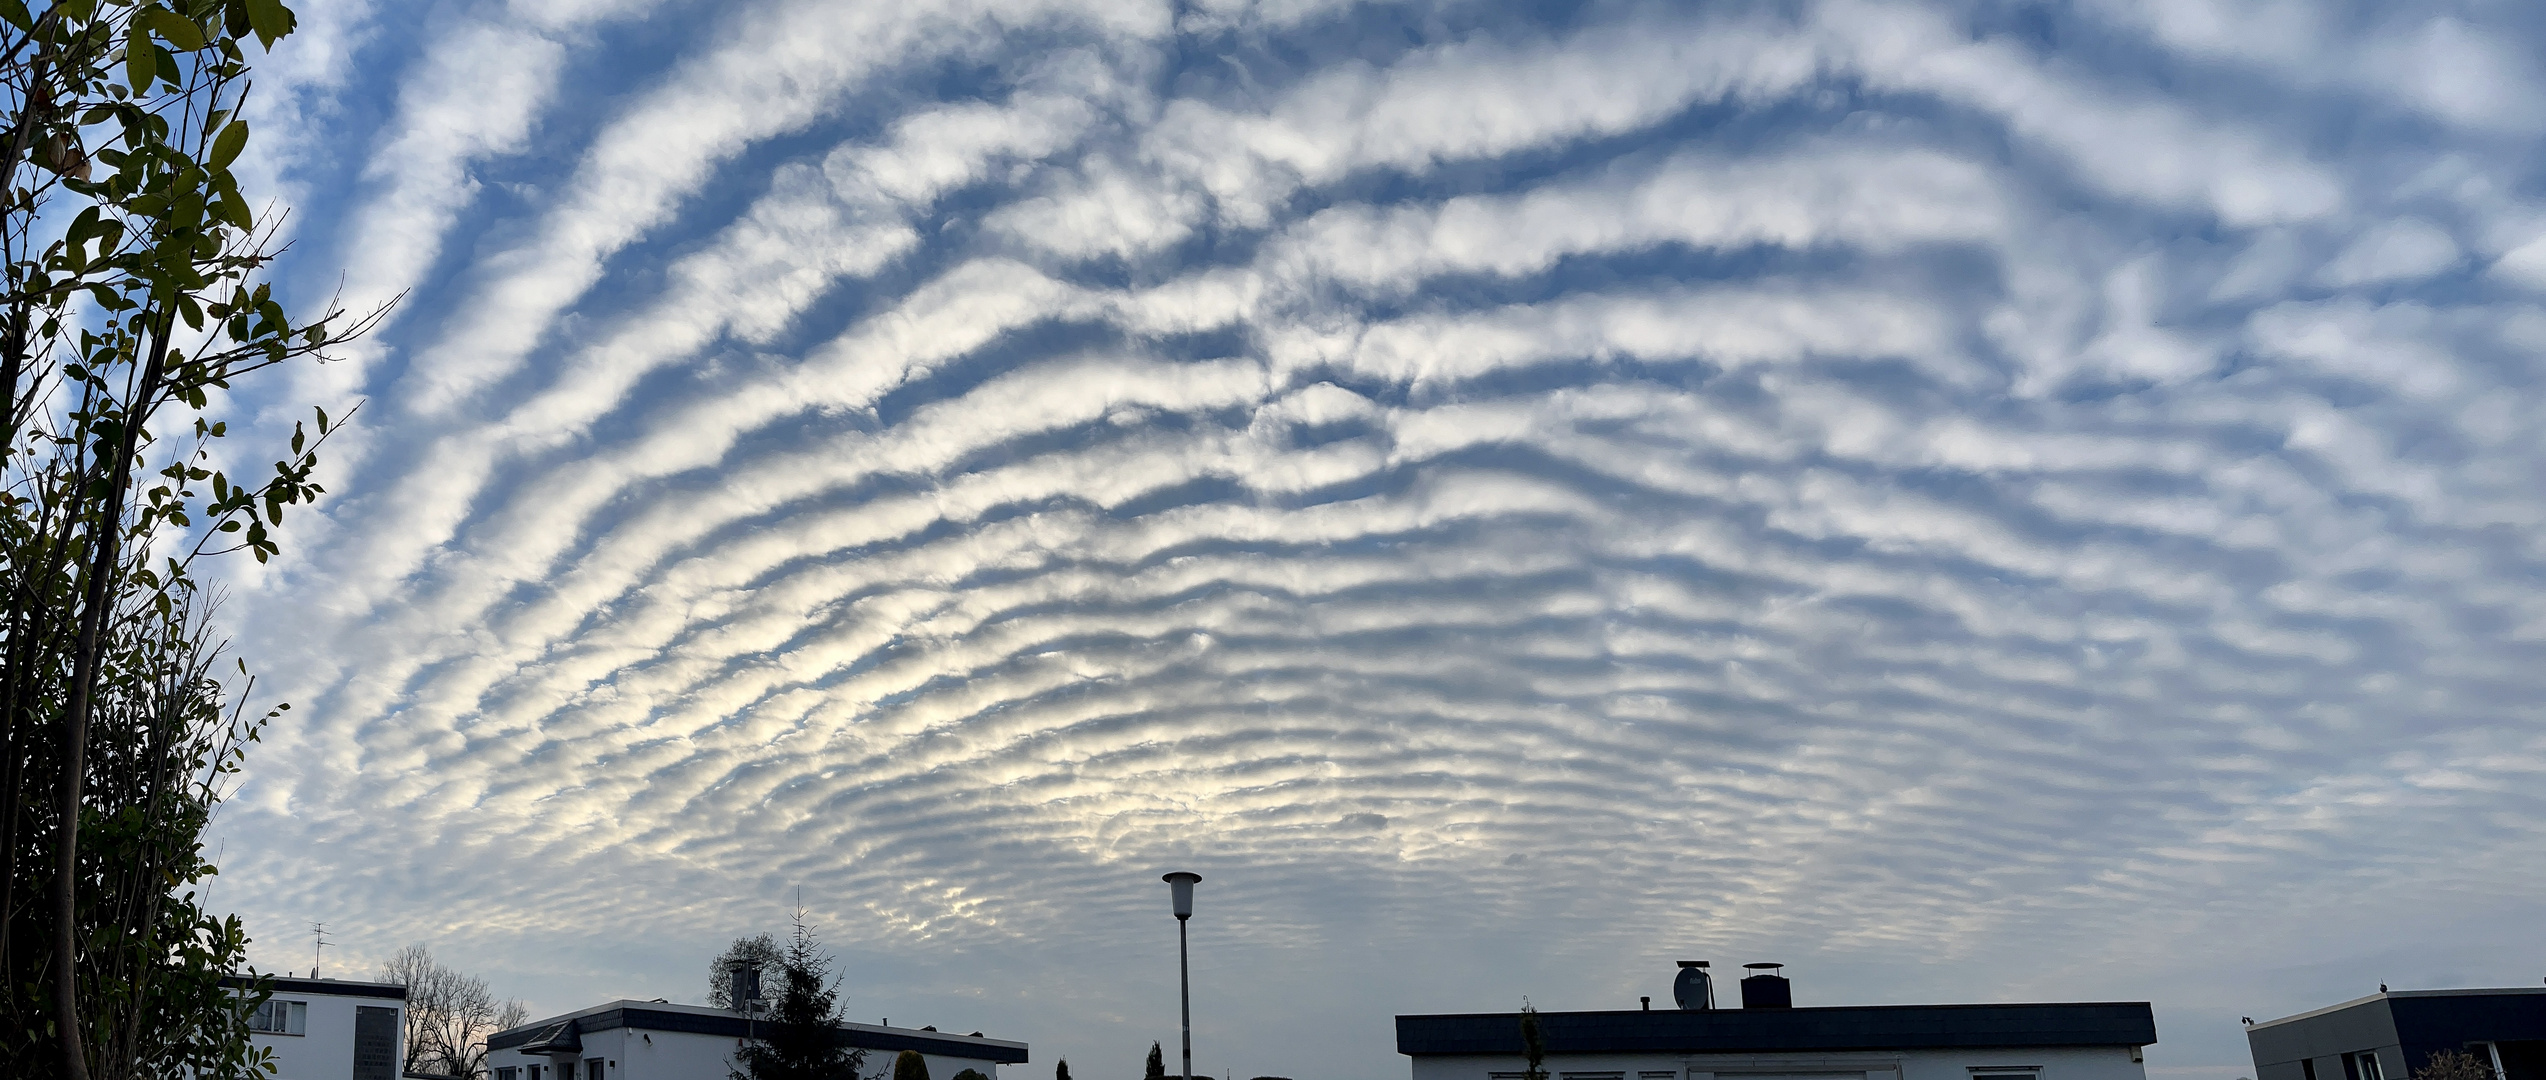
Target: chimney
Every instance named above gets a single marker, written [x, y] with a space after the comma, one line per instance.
[1764, 988]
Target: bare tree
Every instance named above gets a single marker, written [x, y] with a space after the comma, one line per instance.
[758, 952]
[449, 1014]
[2454, 1065]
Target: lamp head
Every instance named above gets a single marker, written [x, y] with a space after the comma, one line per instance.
[1181, 884]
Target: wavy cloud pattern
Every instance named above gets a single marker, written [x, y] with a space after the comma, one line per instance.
[1975, 501]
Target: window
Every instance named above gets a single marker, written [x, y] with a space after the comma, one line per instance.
[508, 1073]
[1657, 1076]
[278, 1017]
[1595, 1076]
[2368, 1068]
[2307, 1068]
[534, 1072]
[2006, 1072]
[592, 1069]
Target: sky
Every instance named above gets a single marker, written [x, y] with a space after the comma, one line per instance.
[1992, 501]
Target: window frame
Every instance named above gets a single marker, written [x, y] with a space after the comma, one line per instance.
[290, 1016]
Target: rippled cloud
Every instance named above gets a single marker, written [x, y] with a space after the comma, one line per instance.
[1973, 501]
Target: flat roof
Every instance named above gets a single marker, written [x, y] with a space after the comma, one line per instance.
[1846, 1027]
[702, 1020]
[338, 987]
[2383, 995]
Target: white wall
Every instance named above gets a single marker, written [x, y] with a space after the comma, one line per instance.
[636, 1054]
[879, 1064]
[327, 1052]
[2064, 1063]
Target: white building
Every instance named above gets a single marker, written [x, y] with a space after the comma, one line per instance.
[331, 1029]
[1769, 1039]
[654, 1040]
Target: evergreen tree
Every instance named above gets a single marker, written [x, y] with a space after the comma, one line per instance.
[1157, 1069]
[908, 1065]
[1061, 1069]
[970, 1074]
[801, 1039]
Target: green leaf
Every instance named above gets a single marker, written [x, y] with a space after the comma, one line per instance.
[226, 147]
[141, 63]
[270, 19]
[234, 210]
[16, 13]
[179, 30]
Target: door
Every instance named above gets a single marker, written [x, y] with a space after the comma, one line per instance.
[375, 1043]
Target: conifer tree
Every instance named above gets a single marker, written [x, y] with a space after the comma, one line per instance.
[801, 1038]
[1157, 1067]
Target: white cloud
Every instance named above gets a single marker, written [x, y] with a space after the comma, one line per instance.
[2394, 250]
[1933, 491]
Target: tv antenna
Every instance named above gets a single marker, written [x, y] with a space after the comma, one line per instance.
[318, 940]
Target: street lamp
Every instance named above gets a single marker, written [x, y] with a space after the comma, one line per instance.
[1181, 885]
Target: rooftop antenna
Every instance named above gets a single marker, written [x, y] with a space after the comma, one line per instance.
[318, 940]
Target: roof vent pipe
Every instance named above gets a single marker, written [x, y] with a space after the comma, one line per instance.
[1694, 989]
[1764, 988]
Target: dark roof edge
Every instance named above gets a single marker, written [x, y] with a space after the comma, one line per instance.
[1806, 1009]
[337, 987]
[1819, 1028]
[2390, 995]
[862, 1036]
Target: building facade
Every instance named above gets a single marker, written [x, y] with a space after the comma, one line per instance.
[654, 1040]
[2389, 1034]
[1772, 1041]
[331, 1029]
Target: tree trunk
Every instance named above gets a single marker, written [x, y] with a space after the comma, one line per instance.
[103, 564]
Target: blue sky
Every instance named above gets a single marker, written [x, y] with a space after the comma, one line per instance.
[1977, 502]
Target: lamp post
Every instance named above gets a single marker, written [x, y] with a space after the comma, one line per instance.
[1181, 885]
